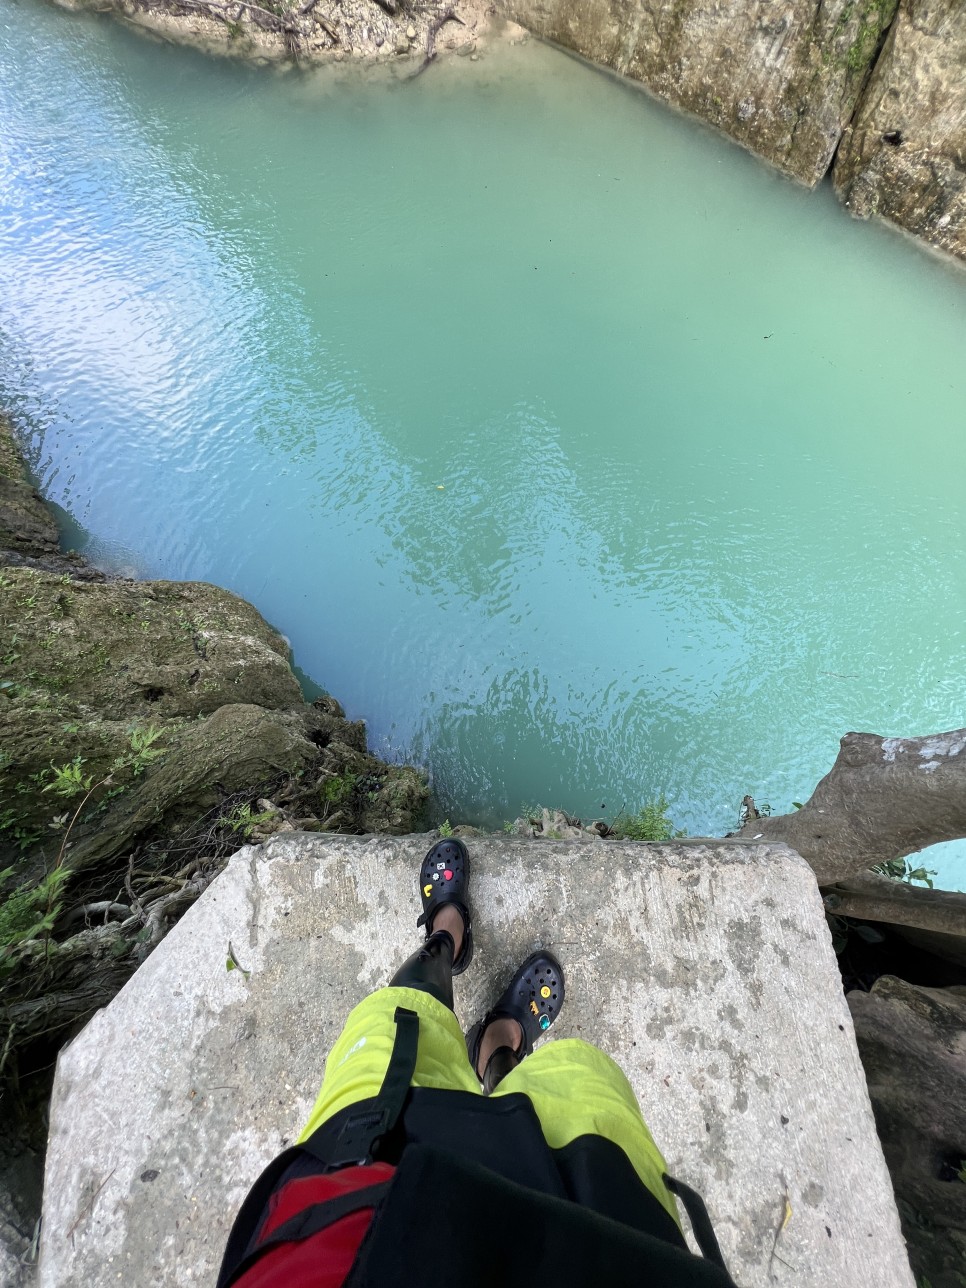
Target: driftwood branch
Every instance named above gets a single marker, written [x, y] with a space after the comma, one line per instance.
[883, 798]
[875, 898]
[435, 27]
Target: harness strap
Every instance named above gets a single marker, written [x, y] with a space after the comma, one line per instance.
[359, 1129]
[704, 1235]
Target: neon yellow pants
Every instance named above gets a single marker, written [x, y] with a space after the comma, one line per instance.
[575, 1089]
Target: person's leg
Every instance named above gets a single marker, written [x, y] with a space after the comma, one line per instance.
[357, 1062]
[431, 969]
[501, 1050]
[578, 1090]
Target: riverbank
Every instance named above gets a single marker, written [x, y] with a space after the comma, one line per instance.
[147, 730]
[403, 37]
[869, 92]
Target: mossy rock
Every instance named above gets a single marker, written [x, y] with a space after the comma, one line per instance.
[26, 525]
[235, 749]
[140, 650]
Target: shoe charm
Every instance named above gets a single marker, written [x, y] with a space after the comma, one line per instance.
[534, 1008]
[448, 875]
[427, 890]
[545, 992]
[440, 867]
[545, 1021]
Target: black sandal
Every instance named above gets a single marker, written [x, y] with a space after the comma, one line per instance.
[444, 879]
[533, 998]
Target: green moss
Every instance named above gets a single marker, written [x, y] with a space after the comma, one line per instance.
[10, 463]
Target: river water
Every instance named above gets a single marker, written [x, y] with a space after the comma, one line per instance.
[582, 456]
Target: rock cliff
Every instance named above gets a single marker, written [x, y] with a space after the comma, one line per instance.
[904, 156]
[875, 87]
[781, 78]
[870, 90]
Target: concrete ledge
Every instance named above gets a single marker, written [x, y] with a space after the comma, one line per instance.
[705, 968]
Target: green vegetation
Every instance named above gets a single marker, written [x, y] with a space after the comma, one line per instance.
[337, 789]
[32, 908]
[28, 912]
[650, 823]
[873, 18]
[902, 870]
[446, 828]
[241, 820]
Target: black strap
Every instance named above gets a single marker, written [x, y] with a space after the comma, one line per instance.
[704, 1235]
[360, 1128]
[313, 1219]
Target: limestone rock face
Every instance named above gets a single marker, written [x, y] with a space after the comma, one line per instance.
[781, 78]
[912, 1042]
[89, 663]
[904, 157]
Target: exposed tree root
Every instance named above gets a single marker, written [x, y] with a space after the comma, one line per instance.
[883, 798]
[871, 897]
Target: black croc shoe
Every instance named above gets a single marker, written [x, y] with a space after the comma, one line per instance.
[445, 878]
[533, 998]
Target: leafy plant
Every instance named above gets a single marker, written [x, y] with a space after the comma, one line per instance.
[650, 823]
[28, 912]
[243, 821]
[337, 789]
[143, 751]
[446, 828]
[902, 870]
[70, 780]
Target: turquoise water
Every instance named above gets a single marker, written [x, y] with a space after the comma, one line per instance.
[582, 456]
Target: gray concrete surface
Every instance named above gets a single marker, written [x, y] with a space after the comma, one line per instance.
[706, 969]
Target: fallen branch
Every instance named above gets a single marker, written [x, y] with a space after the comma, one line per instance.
[163, 909]
[875, 898]
[448, 15]
[883, 798]
[100, 908]
[88, 1206]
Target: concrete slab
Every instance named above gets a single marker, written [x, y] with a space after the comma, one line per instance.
[706, 969]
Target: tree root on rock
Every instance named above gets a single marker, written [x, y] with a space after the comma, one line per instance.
[435, 27]
[870, 897]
